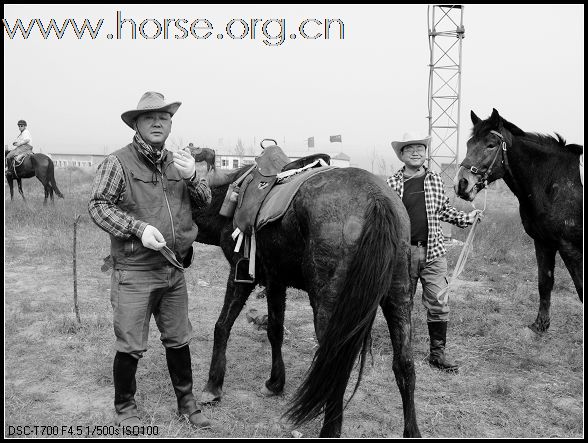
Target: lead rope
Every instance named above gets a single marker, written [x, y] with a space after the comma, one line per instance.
[467, 247]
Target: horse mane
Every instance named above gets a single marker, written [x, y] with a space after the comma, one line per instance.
[559, 142]
[485, 126]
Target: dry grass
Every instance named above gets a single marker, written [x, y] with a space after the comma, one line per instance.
[511, 382]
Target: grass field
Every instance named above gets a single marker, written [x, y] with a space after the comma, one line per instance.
[511, 383]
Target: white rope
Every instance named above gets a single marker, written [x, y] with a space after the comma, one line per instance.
[468, 245]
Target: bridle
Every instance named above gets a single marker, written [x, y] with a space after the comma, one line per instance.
[484, 174]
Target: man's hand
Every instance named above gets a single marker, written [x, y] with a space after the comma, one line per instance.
[152, 238]
[476, 213]
[184, 163]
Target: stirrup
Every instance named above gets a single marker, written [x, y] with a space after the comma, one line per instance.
[246, 263]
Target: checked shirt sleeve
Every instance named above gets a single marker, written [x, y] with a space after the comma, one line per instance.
[107, 189]
[200, 194]
[396, 182]
[454, 216]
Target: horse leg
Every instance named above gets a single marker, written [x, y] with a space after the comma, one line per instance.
[276, 305]
[19, 183]
[398, 318]
[10, 185]
[50, 193]
[333, 419]
[46, 194]
[572, 258]
[323, 303]
[235, 297]
[545, 265]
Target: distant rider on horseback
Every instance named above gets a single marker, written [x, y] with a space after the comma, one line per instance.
[22, 144]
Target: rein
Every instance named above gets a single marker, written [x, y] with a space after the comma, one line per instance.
[468, 245]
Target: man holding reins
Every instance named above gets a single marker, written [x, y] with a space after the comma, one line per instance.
[422, 192]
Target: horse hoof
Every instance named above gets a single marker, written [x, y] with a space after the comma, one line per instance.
[209, 398]
[536, 329]
[528, 333]
[266, 392]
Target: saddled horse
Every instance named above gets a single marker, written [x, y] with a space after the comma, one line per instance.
[344, 239]
[35, 165]
[543, 173]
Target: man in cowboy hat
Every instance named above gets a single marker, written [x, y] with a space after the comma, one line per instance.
[423, 195]
[142, 196]
[21, 145]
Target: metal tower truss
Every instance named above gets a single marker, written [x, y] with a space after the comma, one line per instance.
[446, 33]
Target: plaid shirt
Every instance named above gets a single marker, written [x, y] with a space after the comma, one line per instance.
[438, 209]
[109, 187]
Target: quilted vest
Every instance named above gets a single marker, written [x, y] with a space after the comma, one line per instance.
[160, 199]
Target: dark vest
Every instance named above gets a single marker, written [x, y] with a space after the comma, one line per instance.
[160, 199]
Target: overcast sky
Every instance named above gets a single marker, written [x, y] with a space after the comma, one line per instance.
[371, 86]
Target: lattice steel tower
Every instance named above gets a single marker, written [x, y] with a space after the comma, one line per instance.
[446, 33]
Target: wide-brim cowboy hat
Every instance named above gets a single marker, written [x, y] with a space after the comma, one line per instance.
[410, 139]
[150, 102]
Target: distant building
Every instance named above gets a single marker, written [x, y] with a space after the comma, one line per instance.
[234, 161]
[78, 160]
[223, 161]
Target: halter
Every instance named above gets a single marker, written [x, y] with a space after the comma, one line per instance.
[483, 182]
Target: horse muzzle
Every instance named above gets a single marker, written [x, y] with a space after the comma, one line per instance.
[466, 185]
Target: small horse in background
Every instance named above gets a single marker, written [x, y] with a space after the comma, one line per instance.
[345, 240]
[206, 155]
[544, 174]
[34, 165]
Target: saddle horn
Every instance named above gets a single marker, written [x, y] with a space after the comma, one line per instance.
[267, 139]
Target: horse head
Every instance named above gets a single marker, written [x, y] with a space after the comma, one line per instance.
[206, 155]
[205, 165]
[486, 152]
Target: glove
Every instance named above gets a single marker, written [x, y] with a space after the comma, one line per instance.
[476, 213]
[184, 163]
[152, 238]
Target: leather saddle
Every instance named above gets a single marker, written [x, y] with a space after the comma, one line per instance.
[20, 158]
[259, 182]
[254, 187]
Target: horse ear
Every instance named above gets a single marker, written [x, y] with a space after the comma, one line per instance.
[474, 117]
[495, 118]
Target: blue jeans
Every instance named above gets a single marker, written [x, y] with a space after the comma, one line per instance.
[136, 295]
[433, 277]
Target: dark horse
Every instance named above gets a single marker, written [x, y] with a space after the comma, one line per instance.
[36, 165]
[345, 241]
[543, 173]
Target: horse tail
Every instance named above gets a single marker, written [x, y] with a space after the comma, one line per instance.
[51, 172]
[368, 280]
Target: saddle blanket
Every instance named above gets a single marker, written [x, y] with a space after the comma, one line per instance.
[19, 158]
[279, 198]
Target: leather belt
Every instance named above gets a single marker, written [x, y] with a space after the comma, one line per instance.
[420, 244]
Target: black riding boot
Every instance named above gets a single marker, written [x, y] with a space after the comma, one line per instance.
[125, 386]
[438, 334]
[179, 364]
